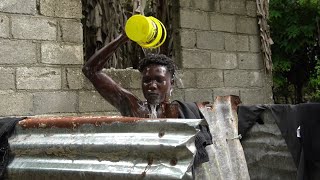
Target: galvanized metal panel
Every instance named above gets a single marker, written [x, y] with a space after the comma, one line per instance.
[227, 160]
[127, 148]
[103, 148]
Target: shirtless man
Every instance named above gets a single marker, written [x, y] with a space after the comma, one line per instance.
[157, 82]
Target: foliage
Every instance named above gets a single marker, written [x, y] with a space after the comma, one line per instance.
[295, 31]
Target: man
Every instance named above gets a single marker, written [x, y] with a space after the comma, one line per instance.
[157, 81]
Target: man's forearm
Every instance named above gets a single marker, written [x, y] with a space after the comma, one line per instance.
[97, 61]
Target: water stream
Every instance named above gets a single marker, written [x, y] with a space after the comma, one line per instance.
[153, 113]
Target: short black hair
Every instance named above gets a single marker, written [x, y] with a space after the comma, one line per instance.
[158, 59]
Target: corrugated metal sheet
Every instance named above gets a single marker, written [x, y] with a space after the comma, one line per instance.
[227, 160]
[103, 148]
[128, 148]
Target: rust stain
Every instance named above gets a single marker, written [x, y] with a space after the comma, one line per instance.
[161, 133]
[170, 110]
[173, 161]
[233, 100]
[74, 122]
[143, 174]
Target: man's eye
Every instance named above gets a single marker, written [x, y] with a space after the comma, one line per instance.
[147, 81]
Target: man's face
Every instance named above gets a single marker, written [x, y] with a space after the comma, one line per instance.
[156, 83]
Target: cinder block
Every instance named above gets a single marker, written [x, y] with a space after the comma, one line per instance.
[247, 25]
[224, 60]
[92, 101]
[38, 78]
[236, 42]
[113, 113]
[210, 40]
[74, 78]
[251, 7]
[220, 22]
[250, 61]
[194, 19]
[18, 6]
[71, 31]
[195, 59]
[205, 5]
[242, 78]
[126, 78]
[177, 94]
[209, 78]
[198, 95]
[87, 84]
[233, 7]
[252, 96]
[17, 52]
[16, 104]
[188, 38]
[61, 8]
[7, 78]
[225, 92]
[55, 102]
[4, 26]
[25, 27]
[185, 79]
[255, 43]
[135, 79]
[56, 53]
[138, 93]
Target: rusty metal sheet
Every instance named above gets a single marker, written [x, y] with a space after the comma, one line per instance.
[103, 148]
[227, 160]
[128, 148]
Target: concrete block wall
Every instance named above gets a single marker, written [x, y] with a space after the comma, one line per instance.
[219, 51]
[41, 55]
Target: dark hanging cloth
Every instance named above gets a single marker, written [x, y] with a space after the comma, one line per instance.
[285, 118]
[304, 151]
[248, 116]
[309, 115]
[7, 126]
[203, 138]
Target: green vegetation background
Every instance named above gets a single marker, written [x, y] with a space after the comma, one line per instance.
[295, 30]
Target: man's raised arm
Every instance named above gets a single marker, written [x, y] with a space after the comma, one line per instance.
[97, 61]
[108, 88]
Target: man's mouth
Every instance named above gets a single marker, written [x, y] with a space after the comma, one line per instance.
[153, 98]
[153, 94]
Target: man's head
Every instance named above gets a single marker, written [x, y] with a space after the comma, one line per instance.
[157, 77]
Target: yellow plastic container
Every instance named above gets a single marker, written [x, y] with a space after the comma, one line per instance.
[148, 32]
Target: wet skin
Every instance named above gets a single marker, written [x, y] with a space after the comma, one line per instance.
[156, 84]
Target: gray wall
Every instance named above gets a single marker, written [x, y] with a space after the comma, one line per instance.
[41, 50]
[220, 51]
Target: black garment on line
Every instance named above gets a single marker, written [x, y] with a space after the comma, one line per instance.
[7, 126]
[189, 110]
[309, 115]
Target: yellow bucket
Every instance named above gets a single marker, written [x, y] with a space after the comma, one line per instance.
[148, 32]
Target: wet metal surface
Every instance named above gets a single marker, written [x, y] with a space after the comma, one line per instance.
[227, 160]
[128, 148]
[103, 148]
